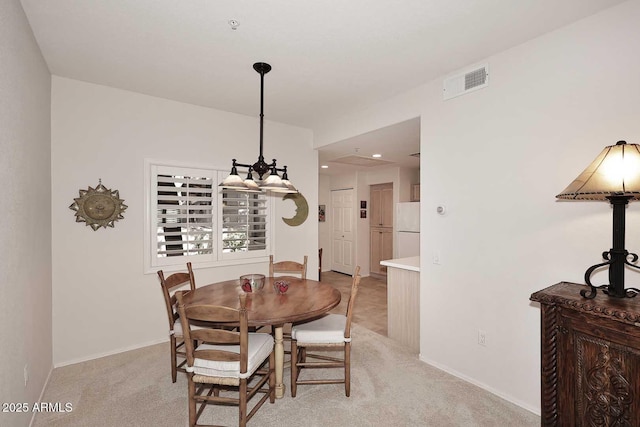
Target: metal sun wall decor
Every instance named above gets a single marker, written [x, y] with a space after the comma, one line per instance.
[98, 207]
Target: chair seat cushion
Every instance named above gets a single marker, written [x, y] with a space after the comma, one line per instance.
[177, 328]
[326, 330]
[260, 347]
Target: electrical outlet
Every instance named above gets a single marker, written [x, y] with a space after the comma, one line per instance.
[26, 374]
[482, 338]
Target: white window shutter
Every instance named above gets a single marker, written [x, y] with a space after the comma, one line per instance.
[244, 221]
[184, 211]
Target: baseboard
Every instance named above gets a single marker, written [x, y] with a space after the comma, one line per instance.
[44, 388]
[109, 353]
[483, 386]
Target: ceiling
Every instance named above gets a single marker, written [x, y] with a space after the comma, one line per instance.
[327, 56]
[397, 144]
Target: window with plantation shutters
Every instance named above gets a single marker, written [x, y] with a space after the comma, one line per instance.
[183, 209]
[244, 221]
[190, 219]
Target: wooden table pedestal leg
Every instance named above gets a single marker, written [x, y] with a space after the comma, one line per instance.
[279, 350]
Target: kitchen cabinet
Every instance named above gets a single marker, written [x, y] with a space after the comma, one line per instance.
[381, 205]
[381, 242]
[403, 301]
[590, 358]
[381, 226]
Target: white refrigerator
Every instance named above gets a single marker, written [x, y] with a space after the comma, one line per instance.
[408, 229]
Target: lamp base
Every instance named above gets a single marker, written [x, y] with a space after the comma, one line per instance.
[616, 260]
[607, 289]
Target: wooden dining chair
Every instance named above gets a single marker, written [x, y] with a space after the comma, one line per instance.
[169, 286]
[226, 360]
[329, 333]
[288, 267]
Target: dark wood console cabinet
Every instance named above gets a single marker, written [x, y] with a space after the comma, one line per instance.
[590, 367]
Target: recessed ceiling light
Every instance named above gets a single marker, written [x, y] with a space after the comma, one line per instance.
[324, 167]
[376, 155]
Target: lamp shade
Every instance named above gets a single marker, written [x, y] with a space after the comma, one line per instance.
[273, 183]
[249, 182]
[285, 189]
[233, 182]
[615, 172]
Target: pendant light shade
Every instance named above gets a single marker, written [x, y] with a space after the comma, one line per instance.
[287, 183]
[250, 183]
[233, 181]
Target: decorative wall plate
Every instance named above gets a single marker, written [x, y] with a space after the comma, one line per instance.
[98, 207]
[302, 209]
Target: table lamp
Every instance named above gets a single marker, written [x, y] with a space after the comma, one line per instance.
[614, 176]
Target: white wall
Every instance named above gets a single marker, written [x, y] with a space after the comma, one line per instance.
[102, 301]
[496, 158]
[25, 252]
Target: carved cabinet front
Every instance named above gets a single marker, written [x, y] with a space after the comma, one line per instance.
[590, 358]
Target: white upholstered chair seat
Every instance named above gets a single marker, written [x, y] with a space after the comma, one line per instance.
[329, 333]
[326, 330]
[260, 346]
[215, 357]
[177, 328]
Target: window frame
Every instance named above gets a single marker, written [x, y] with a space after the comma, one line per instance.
[217, 258]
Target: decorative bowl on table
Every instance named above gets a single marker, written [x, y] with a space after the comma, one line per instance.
[252, 282]
[281, 286]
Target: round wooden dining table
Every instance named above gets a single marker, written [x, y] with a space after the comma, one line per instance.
[305, 299]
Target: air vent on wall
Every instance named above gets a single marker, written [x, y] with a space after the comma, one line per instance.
[466, 82]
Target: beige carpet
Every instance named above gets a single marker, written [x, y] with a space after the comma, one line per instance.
[390, 387]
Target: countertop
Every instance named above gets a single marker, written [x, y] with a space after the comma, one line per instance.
[410, 263]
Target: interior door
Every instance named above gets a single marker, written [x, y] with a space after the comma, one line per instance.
[342, 203]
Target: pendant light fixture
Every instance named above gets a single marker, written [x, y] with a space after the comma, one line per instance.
[267, 173]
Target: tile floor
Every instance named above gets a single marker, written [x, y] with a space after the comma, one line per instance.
[370, 308]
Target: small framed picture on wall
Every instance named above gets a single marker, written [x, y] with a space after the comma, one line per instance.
[363, 213]
[363, 204]
[321, 213]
